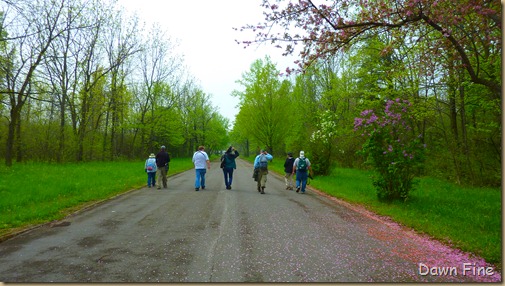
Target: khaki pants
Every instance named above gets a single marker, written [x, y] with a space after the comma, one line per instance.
[288, 178]
[262, 178]
[161, 175]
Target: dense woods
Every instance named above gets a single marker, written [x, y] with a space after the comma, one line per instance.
[83, 81]
[443, 57]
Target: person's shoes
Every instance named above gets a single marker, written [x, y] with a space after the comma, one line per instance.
[158, 188]
[148, 186]
[228, 187]
[197, 189]
[297, 189]
[287, 187]
[262, 190]
[203, 188]
[259, 189]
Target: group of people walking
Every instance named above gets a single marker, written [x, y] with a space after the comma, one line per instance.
[299, 167]
[157, 167]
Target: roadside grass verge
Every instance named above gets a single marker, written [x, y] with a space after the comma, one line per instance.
[35, 193]
[466, 218]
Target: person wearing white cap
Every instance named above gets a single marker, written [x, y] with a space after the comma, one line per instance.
[150, 168]
[302, 168]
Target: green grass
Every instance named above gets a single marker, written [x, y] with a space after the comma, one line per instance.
[35, 193]
[467, 218]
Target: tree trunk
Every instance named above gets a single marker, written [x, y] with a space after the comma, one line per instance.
[19, 143]
[464, 136]
[10, 137]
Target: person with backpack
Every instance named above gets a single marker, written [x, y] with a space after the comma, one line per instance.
[302, 167]
[288, 170]
[228, 165]
[150, 168]
[261, 164]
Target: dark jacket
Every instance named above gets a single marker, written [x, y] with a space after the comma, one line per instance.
[162, 159]
[288, 165]
[229, 159]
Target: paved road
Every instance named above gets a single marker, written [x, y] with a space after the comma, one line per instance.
[219, 235]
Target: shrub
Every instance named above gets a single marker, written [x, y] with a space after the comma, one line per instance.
[391, 148]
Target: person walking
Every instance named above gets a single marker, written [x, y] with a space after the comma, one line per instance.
[200, 159]
[162, 160]
[150, 168]
[302, 167]
[288, 170]
[229, 165]
[261, 163]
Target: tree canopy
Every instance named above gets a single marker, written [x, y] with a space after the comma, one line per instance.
[82, 81]
[467, 31]
[443, 57]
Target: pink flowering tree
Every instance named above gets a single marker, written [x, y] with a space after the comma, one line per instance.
[391, 148]
[466, 31]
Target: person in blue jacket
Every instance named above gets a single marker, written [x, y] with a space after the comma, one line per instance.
[261, 164]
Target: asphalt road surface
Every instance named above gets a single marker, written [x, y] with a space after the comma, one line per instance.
[238, 235]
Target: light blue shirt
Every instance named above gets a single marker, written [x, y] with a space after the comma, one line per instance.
[152, 162]
[200, 159]
[257, 160]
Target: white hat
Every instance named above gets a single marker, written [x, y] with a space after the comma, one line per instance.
[302, 154]
[152, 155]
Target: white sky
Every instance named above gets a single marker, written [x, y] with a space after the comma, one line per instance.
[204, 29]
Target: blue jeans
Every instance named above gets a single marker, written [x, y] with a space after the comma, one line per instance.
[200, 178]
[151, 178]
[228, 176]
[301, 179]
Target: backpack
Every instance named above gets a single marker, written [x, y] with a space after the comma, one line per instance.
[150, 164]
[302, 164]
[263, 161]
[223, 161]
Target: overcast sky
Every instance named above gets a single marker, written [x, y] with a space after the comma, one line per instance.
[205, 31]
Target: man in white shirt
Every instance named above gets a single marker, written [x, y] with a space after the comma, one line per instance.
[200, 159]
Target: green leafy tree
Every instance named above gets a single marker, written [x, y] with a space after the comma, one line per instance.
[264, 106]
[466, 27]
